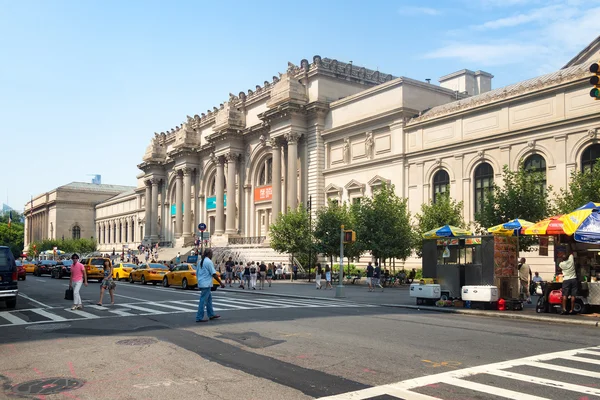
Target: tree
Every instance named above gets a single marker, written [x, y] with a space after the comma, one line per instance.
[291, 232]
[383, 225]
[12, 237]
[327, 228]
[522, 195]
[583, 187]
[444, 211]
[81, 246]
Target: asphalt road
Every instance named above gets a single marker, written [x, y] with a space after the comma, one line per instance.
[148, 346]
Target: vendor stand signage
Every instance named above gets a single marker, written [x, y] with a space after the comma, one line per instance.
[505, 256]
[456, 242]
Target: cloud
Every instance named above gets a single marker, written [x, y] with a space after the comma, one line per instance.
[419, 11]
[541, 14]
[486, 54]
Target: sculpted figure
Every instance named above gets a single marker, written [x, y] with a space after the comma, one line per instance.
[347, 150]
[369, 143]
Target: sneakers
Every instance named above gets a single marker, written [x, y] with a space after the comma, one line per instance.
[215, 317]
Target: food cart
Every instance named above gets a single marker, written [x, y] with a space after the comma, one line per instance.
[472, 261]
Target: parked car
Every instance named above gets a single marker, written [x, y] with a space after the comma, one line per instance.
[44, 267]
[29, 266]
[152, 272]
[94, 267]
[122, 270]
[183, 275]
[9, 285]
[61, 269]
[21, 273]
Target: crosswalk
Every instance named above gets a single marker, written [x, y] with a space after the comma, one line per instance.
[571, 374]
[220, 303]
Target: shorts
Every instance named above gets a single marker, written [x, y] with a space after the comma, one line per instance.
[229, 275]
[569, 287]
[369, 280]
[375, 281]
[108, 284]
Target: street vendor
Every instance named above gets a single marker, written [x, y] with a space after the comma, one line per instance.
[569, 284]
[524, 278]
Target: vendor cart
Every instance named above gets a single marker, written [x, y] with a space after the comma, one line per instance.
[472, 261]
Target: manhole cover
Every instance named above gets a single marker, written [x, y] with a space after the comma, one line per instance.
[47, 386]
[47, 327]
[250, 339]
[137, 342]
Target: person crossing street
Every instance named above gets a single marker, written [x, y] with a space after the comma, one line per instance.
[205, 271]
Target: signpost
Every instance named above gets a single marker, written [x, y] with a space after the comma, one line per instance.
[339, 289]
[201, 228]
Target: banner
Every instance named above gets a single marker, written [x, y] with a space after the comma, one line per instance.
[211, 202]
[263, 193]
[174, 209]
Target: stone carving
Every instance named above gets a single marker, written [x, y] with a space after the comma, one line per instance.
[369, 144]
[156, 150]
[592, 132]
[229, 117]
[213, 158]
[186, 136]
[287, 89]
[438, 161]
[186, 171]
[304, 64]
[242, 95]
[292, 137]
[531, 144]
[346, 154]
[232, 157]
[480, 154]
[262, 140]
[247, 156]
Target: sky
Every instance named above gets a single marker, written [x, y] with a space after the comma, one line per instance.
[84, 84]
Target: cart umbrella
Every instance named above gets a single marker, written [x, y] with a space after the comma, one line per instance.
[548, 226]
[510, 228]
[446, 231]
[574, 220]
[584, 225]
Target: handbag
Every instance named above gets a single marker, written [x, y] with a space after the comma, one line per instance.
[69, 294]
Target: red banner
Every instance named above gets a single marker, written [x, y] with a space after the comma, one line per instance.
[263, 193]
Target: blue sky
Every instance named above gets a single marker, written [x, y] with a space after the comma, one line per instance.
[85, 84]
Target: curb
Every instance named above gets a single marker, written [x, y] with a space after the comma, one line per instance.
[497, 314]
[290, 296]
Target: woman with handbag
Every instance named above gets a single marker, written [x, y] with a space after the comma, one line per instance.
[78, 277]
[107, 283]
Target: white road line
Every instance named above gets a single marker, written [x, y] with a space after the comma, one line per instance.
[102, 308]
[133, 298]
[48, 315]
[35, 301]
[144, 309]
[232, 306]
[479, 387]
[581, 359]
[82, 313]
[565, 370]
[173, 307]
[545, 382]
[12, 318]
[40, 280]
[122, 313]
[236, 302]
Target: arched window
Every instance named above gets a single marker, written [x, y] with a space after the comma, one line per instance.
[99, 233]
[589, 157]
[441, 181]
[76, 232]
[126, 232]
[213, 186]
[266, 173]
[484, 180]
[132, 230]
[536, 163]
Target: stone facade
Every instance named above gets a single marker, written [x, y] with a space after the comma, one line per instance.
[66, 212]
[120, 222]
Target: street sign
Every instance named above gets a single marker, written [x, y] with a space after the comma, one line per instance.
[204, 235]
[202, 227]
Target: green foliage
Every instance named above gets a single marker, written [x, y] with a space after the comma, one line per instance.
[445, 211]
[584, 187]
[12, 237]
[81, 246]
[522, 195]
[383, 225]
[291, 232]
[349, 269]
[327, 227]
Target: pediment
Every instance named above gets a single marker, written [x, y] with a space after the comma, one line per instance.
[355, 185]
[333, 189]
[378, 181]
[588, 55]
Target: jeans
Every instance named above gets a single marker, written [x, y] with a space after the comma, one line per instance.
[253, 280]
[76, 296]
[205, 299]
[262, 279]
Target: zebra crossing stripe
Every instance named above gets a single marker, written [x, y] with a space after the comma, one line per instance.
[565, 370]
[122, 313]
[48, 315]
[172, 307]
[236, 302]
[144, 309]
[581, 359]
[82, 313]
[480, 387]
[194, 303]
[13, 319]
[545, 382]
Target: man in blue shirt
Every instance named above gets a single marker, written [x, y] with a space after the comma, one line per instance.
[205, 271]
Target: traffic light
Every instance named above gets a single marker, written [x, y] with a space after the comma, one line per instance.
[595, 80]
[349, 236]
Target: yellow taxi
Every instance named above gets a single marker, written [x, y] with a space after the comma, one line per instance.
[122, 270]
[94, 267]
[148, 272]
[29, 266]
[183, 275]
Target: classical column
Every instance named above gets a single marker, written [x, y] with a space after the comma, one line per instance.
[178, 203]
[276, 154]
[154, 210]
[231, 195]
[292, 184]
[187, 202]
[122, 222]
[148, 211]
[220, 189]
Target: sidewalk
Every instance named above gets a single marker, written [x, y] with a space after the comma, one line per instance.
[399, 297]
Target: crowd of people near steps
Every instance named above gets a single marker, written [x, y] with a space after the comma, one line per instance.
[254, 275]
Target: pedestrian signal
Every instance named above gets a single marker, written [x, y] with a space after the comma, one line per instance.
[595, 80]
[349, 236]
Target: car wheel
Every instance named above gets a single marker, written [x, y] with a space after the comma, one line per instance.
[143, 280]
[11, 303]
[130, 278]
[184, 284]
[52, 275]
[24, 277]
[165, 282]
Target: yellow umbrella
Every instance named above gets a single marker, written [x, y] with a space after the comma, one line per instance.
[510, 228]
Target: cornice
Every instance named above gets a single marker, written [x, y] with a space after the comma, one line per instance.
[368, 121]
[282, 111]
[396, 158]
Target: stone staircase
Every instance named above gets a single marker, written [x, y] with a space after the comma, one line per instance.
[246, 253]
[170, 253]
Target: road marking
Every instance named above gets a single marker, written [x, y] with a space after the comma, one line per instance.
[566, 370]
[133, 298]
[13, 319]
[581, 359]
[147, 310]
[480, 387]
[35, 301]
[97, 307]
[546, 382]
[82, 313]
[122, 313]
[48, 315]
[172, 307]
[224, 302]
[40, 280]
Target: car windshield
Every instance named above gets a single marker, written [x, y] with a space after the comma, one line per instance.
[97, 261]
[130, 265]
[5, 259]
[158, 266]
[19, 263]
[68, 263]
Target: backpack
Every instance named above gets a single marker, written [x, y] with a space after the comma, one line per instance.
[253, 270]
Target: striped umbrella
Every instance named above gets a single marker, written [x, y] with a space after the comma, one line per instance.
[446, 231]
[574, 220]
[510, 228]
[548, 226]
[584, 223]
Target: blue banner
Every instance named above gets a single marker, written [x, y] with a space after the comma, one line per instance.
[211, 202]
[174, 209]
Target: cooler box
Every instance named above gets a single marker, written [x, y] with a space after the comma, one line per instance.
[428, 291]
[479, 293]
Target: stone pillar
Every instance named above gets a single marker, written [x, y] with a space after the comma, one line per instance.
[187, 202]
[220, 191]
[276, 199]
[231, 193]
[292, 184]
[122, 222]
[154, 210]
[148, 211]
[178, 203]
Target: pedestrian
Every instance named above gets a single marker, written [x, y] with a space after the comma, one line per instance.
[569, 284]
[370, 276]
[262, 270]
[205, 271]
[240, 274]
[318, 273]
[524, 277]
[229, 271]
[278, 272]
[270, 274]
[247, 274]
[178, 258]
[78, 278]
[377, 277]
[328, 277]
[107, 283]
[253, 275]
[294, 272]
